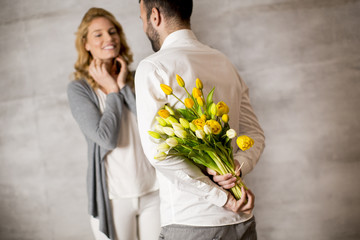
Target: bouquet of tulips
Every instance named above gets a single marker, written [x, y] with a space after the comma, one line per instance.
[200, 132]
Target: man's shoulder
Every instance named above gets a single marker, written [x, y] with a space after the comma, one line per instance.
[156, 60]
[171, 54]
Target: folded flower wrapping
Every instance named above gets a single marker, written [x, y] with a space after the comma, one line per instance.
[199, 132]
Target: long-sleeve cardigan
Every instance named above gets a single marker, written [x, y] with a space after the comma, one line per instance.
[100, 132]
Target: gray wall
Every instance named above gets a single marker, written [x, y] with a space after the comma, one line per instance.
[301, 60]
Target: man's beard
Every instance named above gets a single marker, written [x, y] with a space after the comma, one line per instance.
[153, 36]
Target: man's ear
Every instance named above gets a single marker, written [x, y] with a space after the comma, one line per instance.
[155, 17]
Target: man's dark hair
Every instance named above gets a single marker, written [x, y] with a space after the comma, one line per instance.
[179, 9]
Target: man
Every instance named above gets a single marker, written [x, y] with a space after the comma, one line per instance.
[192, 206]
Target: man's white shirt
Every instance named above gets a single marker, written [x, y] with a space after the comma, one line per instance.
[188, 196]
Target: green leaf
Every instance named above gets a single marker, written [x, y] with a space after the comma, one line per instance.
[209, 98]
[203, 159]
[204, 147]
[187, 114]
[219, 162]
[198, 109]
[223, 153]
[191, 143]
[182, 149]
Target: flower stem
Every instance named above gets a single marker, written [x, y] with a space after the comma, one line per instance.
[189, 95]
[236, 190]
[185, 105]
[178, 99]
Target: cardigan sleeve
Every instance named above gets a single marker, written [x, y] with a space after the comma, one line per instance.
[102, 128]
[129, 98]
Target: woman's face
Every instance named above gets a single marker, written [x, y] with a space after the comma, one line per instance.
[102, 40]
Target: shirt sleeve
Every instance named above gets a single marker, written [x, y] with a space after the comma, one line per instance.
[178, 170]
[249, 125]
[102, 128]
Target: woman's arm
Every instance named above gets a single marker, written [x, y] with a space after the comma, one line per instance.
[102, 128]
[129, 98]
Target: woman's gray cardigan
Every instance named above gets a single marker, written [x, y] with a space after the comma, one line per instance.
[101, 133]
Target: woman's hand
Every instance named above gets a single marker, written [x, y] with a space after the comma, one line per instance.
[99, 73]
[121, 76]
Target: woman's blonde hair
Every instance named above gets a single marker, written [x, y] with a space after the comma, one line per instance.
[84, 57]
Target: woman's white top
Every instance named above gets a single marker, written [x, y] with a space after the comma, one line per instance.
[129, 173]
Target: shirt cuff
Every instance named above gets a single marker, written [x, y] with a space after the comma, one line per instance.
[203, 187]
[219, 197]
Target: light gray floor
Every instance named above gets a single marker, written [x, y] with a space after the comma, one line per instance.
[301, 60]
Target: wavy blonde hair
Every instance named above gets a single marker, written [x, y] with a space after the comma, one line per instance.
[84, 57]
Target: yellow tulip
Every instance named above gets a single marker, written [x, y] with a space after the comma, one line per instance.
[203, 117]
[200, 101]
[199, 84]
[180, 81]
[221, 108]
[196, 93]
[164, 113]
[166, 89]
[215, 126]
[225, 118]
[189, 103]
[244, 142]
[199, 123]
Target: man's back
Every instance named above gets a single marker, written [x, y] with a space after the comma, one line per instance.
[188, 196]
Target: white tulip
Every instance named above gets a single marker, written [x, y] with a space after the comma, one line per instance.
[172, 142]
[160, 156]
[181, 133]
[231, 133]
[163, 147]
[207, 129]
[169, 131]
[159, 129]
[200, 134]
[177, 126]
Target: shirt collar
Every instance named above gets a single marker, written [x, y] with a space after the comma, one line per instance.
[178, 35]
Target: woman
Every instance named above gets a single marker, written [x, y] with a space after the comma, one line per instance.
[122, 189]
